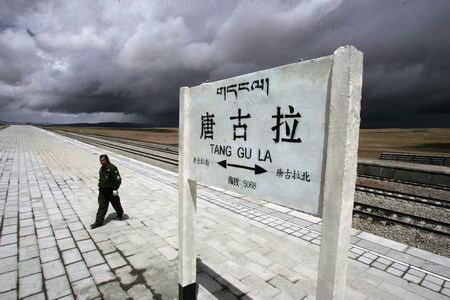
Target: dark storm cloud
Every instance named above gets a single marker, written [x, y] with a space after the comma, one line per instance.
[130, 58]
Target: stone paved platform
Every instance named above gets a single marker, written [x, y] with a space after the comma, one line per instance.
[247, 248]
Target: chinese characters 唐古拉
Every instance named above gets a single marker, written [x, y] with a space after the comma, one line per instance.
[290, 121]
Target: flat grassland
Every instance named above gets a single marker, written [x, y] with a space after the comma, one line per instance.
[427, 141]
[168, 136]
[433, 141]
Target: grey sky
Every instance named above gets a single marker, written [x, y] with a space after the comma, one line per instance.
[91, 61]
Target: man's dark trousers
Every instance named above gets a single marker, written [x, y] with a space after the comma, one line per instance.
[103, 201]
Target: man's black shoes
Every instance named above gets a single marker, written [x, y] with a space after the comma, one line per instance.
[95, 225]
[120, 218]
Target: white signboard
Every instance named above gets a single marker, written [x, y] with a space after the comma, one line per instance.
[288, 135]
[263, 134]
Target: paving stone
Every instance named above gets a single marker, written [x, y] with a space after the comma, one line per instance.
[77, 271]
[225, 295]
[46, 242]
[28, 252]
[434, 279]
[9, 221]
[115, 260]
[416, 272]
[101, 274]
[106, 247]
[71, 256]
[57, 287]
[49, 254]
[26, 222]
[8, 239]
[75, 226]
[374, 246]
[406, 258]
[28, 267]
[8, 281]
[93, 258]
[8, 250]
[42, 224]
[8, 264]
[65, 244]
[62, 233]
[140, 261]
[412, 278]
[79, 235]
[384, 261]
[53, 269]
[262, 272]
[9, 229]
[112, 290]
[86, 245]
[431, 285]
[365, 260]
[44, 232]
[86, 289]
[425, 293]
[126, 275]
[379, 265]
[431, 257]
[11, 295]
[277, 207]
[294, 291]
[446, 291]
[210, 284]
[168, 252]
[30, 285]
[357, 250]
[400, 266]
[259, 258]
[383, 241]
[439, 269]
[140, 291]
[259, 288]
[285, 272]
[25, 231]
[127, 248]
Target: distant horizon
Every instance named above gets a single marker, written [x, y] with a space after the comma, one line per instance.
[149, 125]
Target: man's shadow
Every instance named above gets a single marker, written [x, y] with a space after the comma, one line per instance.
[113, 217]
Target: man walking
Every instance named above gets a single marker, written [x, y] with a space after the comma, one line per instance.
[108, 184]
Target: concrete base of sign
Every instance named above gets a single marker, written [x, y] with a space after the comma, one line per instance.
[340, 173]
[188, 292]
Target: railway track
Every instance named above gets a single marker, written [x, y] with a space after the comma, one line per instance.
[144, 145]
[360, 209]
[160, 158]
[405, 196]
[396, 217]
[444, 188]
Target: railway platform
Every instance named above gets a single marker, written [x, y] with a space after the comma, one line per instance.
[247, 248]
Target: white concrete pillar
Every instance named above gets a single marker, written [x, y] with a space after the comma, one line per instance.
[187, 209]
[340, 172]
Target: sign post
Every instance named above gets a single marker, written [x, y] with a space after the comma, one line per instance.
[187, 209]
[288, 135]
[340, 171]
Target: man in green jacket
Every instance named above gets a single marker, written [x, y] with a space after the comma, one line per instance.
[108, 184]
